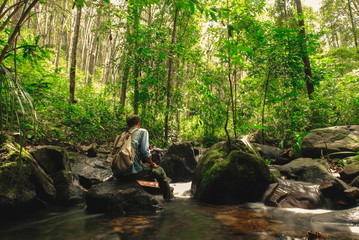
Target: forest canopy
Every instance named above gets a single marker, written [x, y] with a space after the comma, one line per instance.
[70, 71]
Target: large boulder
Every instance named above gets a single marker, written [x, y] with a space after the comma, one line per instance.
[179, 162]
[24, 186]
[306, 170]
[68, 189]
[91, 170]
[330, 140]
[293, 194]
[51, 158]
[120, 198]
[235, 176]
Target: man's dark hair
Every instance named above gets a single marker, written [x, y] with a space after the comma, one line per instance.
[133, 120]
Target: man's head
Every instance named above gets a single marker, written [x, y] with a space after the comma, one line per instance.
[133, 120]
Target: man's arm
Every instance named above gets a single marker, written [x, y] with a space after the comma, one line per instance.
[153, 164]
[145, 149]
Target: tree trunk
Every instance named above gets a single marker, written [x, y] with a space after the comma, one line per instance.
[94, 48]
[73, 55]
[110, 55]
[86, 42]
[353, 25]
[60, 36]
[305, 57]
[69, 44]
[170, 62]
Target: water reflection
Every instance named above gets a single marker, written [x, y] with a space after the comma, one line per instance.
[186, 219]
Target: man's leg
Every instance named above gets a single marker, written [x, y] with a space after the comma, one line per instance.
[160, 175]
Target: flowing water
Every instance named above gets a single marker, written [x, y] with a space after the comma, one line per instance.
[184, 219]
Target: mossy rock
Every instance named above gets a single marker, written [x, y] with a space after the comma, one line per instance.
[23, 184]
[230, 177]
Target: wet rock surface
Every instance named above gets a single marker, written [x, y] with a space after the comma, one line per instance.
[293, 194]
[91, 170]
[69, 192]
[120, 198]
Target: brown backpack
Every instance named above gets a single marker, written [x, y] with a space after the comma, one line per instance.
[123, 154]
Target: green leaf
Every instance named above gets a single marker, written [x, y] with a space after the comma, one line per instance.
[191, 5]
[214, 18]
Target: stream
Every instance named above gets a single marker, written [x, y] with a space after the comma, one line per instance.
[183, 218]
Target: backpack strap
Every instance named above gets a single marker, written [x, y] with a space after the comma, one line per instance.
[132, 131]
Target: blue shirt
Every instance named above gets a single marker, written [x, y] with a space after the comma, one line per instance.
[139, 141]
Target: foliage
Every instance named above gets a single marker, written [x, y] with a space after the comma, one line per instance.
[238, 51]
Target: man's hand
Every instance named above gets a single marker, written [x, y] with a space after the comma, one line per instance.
[149, 160]
[154, 165]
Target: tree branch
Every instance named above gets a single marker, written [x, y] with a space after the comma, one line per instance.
[17, 29]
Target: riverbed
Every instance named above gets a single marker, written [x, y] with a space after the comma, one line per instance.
[183, 219]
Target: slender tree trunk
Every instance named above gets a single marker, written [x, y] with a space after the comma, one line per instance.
[305, 57]
[264, 104]
[110, 55]
[60, 36]
[137, 58]
[86, 42]
[69, 44]
[127, 67]
[170, 63]
[94, 48]
[73, 55]
[49, 29]
[229, 144]
[353, 25]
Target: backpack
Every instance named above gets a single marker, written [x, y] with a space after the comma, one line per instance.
[123, 154]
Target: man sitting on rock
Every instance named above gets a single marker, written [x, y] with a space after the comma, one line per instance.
[149, 170]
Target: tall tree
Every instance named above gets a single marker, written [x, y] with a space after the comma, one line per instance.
[304, 52]
[60, 35]
[74, 53]
[94, 46]
[353, 24]
[169, 75]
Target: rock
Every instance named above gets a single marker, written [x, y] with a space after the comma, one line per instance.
[352, 194]
[179, 162]
[237, 177]
[355, 182]
[91, 170]
[293, 194]
[350, 172]
[51, 158]
[92, 152]
[120, 198]
[330, 140]
[334, 189]
[340, 194]
[68, 189]
[348, 216]
[24, 186]
[306, 170]
[270, 152]
[158, 154]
